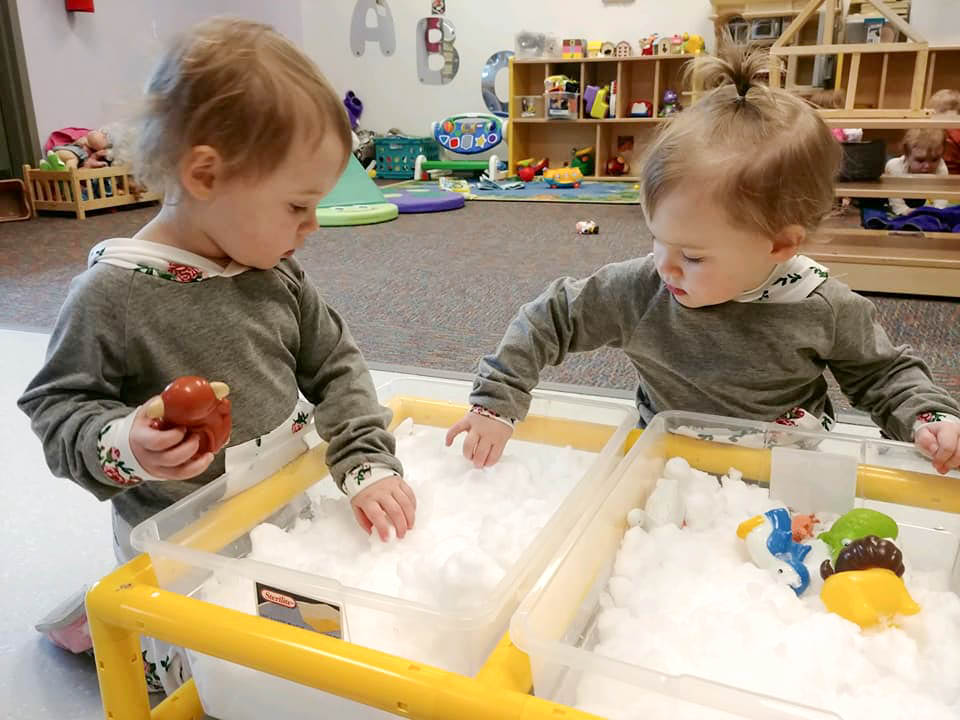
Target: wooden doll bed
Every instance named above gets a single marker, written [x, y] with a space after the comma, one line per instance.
[81, 190]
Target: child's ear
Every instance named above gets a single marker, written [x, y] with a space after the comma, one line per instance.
[200, 170]
[786, 243]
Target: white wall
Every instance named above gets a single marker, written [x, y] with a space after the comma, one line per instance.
[937, 20]
[391, 92]
[87, 69]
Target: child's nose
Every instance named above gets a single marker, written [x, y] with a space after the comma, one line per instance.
[309, 226]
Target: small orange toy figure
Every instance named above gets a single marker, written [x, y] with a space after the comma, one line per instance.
[802, 526]
[202, 407]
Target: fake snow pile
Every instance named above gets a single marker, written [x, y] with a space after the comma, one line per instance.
[689, 602]
[471, 528]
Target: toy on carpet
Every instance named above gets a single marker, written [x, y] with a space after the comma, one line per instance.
[641, 108]
[201, 407]
[562, 178]
[617, 166]
[453, 184]
[468, 134]
[528, 169]
[670, 105]
[583, 159]
[354, 108]
[485, 183]
[587, 227]
[423, 199]
[354, 200]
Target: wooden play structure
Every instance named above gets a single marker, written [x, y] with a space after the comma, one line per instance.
[885, 87]
[82, 190]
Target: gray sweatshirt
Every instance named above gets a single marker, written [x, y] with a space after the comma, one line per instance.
[122, 335]
[751, 360]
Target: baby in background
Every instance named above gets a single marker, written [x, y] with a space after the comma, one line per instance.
[947, 102]
[922, 155]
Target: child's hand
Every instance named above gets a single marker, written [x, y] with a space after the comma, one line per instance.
[165, 453]
[940, 442]
[485, 440]
[387, 502]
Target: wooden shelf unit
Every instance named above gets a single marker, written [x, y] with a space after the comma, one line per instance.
[921, 186]
[642, 77]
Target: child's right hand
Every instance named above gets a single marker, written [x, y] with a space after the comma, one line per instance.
[485, 439]
[165, 453]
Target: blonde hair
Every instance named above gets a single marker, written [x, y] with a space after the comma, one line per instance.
[928, 139]
[944, 101]
[243, 89]
[765, 154]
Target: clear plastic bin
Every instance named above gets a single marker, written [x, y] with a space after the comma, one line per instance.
[561, 105]
[195, 538]
[556, 622]
[529, 106]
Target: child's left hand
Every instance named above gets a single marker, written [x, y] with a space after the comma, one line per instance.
[940, 442]
[387, 502]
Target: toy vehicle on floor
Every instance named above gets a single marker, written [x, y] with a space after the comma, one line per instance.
[565, 177]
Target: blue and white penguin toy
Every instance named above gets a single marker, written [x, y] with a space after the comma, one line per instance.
[770, 543]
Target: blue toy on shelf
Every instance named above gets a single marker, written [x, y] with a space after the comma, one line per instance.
[469, 134]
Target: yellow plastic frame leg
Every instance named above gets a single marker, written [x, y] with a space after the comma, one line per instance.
[127, 604]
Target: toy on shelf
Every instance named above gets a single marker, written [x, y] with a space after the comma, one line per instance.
[648, 45]
[531, 105]
[561, 97]
[663, 46]
[608, 49]
[670, 105]
[623, 49]
[529, 44]
[583, 160]
[693, 44]
[617, 166]
[528, 169]
[573, 48]
[587, 227]
[770, 544]
[202, 407]
[641, 108]
[600, 107]
[468, 134]
[676, 45]
[563, 178]
[593, 48]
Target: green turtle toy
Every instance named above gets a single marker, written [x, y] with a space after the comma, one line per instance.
[856, 524]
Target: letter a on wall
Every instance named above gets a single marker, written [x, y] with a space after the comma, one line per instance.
[381, 33]
[435, 36]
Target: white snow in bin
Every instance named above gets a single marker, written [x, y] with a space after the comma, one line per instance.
[471, 528]
[689, 602]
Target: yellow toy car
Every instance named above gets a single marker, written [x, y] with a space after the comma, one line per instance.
[565, 177]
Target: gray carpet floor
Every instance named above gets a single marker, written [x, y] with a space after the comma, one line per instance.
[435, 290]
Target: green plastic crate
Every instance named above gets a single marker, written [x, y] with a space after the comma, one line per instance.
[397, 155]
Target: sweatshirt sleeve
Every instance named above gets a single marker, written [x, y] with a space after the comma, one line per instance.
[890, 382]
[569, 316]
[75, 397]
[333, 375]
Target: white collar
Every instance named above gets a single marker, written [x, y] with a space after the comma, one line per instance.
[789, 282]
[163, 261]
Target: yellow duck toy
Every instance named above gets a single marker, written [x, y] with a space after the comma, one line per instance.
[865, 587]
[867, 597]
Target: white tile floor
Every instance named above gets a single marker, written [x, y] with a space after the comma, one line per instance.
[54, 538]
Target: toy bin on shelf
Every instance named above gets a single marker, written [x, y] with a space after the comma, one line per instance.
[189, 544]
[561, 105]
[529, 106]
[557, 622]
[397, 155]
